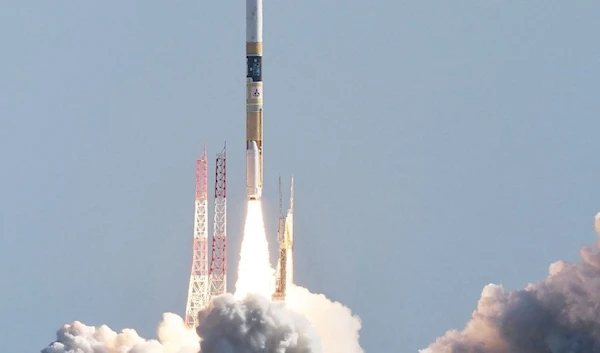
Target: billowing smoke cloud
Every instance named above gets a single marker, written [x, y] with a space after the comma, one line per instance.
[307, 323]
[558, 315]
[173, 336]
[335, 323]
[245, 322]
[254, 324]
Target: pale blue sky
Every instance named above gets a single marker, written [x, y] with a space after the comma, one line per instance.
[437, 146]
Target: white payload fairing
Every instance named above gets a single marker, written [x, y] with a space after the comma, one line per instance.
[254, 100]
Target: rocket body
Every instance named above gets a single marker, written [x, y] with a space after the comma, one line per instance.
[254, 100]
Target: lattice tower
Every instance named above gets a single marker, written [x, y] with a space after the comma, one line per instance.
[289, 239]
[199, 281]
[218, 264]
[280, 276]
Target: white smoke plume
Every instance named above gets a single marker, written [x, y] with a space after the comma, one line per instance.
[244, 322]
[254, 325]
[335, 323]
[307, 323]
[174, 337]
[560, 314]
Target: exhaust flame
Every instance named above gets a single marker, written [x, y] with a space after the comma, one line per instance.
[255, 274]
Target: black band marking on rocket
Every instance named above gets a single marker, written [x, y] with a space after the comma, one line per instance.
[254, 68]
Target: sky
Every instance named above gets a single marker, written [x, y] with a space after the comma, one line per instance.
[436, 146]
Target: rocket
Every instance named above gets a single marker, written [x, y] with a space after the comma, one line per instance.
[254, 100]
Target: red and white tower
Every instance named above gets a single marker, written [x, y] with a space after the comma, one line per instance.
[218, 263]
[199, 281]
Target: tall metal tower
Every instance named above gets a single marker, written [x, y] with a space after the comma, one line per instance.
[285, 237]
[199, 281]
[280, 279]
[289, 238]
[218, 263]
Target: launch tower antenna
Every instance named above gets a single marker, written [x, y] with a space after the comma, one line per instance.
[291, 210]
[289, 238]
[280, 200]
[198, 287]
[218, 264]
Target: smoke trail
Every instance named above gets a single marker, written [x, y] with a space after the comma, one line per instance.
[560, 314]
[255, 274]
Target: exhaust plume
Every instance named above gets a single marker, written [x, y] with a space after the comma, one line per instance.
[255, 274]
[306, 323]
[247, 322]
[560, 314]
[335, 323]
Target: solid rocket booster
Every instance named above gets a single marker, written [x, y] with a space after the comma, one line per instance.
[252, 170]
[254, 100]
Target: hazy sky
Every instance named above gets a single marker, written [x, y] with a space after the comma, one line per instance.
[437, 146]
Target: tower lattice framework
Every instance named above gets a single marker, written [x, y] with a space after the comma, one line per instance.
[285, 238]
[218, 263]
[198, 292]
